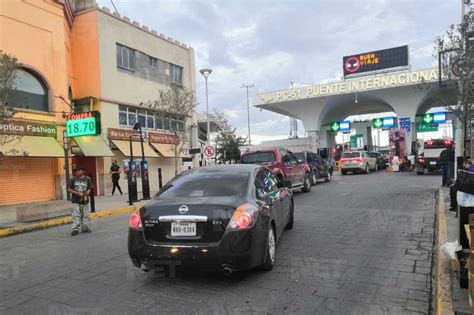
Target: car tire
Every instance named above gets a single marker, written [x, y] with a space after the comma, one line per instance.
[289, 226]
[344, 172]
[366, 171]
[420, 173]
[306, 183]
[314, 178]
[270, 250]
[328, 176]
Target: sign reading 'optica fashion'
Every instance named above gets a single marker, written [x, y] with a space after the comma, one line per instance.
[25, 128]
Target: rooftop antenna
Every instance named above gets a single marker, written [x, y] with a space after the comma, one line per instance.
[112, 1]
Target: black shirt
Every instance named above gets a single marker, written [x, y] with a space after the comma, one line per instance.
[80, 185]
[115, 168]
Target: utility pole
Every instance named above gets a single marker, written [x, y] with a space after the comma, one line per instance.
[248, 107]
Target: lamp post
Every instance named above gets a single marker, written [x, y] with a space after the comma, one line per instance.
[206, 73]
[248, 107]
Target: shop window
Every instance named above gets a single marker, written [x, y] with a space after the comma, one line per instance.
[30, 92]
[125, 57]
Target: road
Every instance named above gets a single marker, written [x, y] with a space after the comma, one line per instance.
[361, 244]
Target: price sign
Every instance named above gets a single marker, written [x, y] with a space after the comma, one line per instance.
[83, 124]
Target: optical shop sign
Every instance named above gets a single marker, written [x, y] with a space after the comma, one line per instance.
[24, 128]
[350, 86]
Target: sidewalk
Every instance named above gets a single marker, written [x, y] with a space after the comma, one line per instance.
[102, 204]
[460, 296]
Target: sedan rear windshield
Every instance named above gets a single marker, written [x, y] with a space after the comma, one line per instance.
[349, 155]
[258, 158]
[206, 185]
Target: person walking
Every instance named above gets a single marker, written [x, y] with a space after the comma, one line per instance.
[115, 171]
[80, 187]
[446, 159]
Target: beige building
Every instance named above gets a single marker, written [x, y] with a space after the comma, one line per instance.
[120, 66]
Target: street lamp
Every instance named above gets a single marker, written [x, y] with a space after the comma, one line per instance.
[248, 107]
[206, 73]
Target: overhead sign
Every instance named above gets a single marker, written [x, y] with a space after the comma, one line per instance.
[357, 141]
[426, 128]
[439, 118]
[388, 122]
[335, 126]
[344, 126]
[405, 123]
[83, 124]
[26, 128]
[377, 123]
[427, 119]
[209, 151]
[376, 60]
[350, 86]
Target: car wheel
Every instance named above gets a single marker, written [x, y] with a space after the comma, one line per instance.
[344, 172]
[306, 183]
[289, 226]
[366, 171]
[314, 177]
[328, 177]
[270, 250]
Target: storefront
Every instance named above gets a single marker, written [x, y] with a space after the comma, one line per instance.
[29, 162]
[158, 149]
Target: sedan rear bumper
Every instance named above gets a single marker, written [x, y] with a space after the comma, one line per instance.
[239, 250]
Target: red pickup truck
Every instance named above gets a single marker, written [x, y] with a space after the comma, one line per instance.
[283, 164]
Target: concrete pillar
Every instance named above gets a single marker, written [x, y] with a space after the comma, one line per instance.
[313, 141]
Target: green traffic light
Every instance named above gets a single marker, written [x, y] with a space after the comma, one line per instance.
[377, 123]
[335, 126]
[427, 118]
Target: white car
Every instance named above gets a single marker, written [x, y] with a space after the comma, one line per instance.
[357, 161]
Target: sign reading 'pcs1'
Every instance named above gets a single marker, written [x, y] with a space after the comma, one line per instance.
[83, 124]
[376, 60]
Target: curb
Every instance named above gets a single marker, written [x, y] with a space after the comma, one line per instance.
[62, 221]
[443, 303]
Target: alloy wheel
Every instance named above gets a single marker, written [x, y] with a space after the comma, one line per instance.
[271, 245]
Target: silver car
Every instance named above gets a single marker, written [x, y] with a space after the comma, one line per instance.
[357, 161]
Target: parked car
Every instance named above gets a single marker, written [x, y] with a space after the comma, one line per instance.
[428, 154]
[228, 217]
[283, 164]
[357, 161]
[382, 161]
[319, 168]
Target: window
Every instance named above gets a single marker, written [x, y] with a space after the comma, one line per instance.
[123, 118]
[132, 116]
[349, 155]
[148, 119]
[125, 57]
[142, 117]
[30, 92]
[176, 74]
[258, 158]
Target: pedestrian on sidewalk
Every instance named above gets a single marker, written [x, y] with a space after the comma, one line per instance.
[446, 159]
[80, 187]
[453, 189]
[115, 171]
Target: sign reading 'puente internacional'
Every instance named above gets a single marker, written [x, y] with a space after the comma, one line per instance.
[350, 86]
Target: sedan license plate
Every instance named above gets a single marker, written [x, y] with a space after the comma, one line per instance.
[183, 228]
[433, 163]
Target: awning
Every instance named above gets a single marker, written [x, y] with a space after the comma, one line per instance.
[124, 147]
[166, 150]
[31, 146]
[93, 146]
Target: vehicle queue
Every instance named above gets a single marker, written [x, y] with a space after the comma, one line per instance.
[230, 217]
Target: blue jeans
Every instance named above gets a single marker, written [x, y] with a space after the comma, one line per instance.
[445, 169]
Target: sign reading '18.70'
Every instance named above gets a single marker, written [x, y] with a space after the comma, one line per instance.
[83, 124]
[376, 60]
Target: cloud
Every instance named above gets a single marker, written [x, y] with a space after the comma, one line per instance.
[272, 43]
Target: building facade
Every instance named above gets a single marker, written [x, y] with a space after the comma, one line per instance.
[81, 58]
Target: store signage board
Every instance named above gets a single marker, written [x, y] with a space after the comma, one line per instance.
[26, 128]
[83, 124]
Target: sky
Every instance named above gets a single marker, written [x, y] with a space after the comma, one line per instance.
[269, 44]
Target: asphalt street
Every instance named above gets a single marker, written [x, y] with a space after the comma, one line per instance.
[361, 244]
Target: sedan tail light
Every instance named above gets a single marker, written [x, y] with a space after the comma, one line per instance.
[136, 221]
[244, 217]
[421, 160]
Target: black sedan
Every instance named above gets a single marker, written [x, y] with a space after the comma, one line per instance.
[228, 217]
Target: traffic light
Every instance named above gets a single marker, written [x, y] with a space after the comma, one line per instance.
[377, 123]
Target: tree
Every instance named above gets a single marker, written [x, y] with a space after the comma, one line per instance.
[228, 143]
[174, 106]
[456, 51]
[8, 77]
